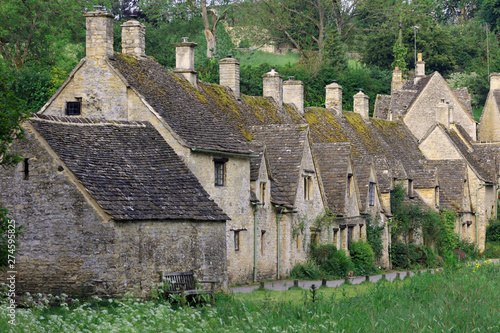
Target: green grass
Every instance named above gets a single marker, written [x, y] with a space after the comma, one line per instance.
[477, 112]
[460, 299]
[257, 57]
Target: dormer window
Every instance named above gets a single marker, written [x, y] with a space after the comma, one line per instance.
[349, 185]
[74, 108]
[307, 188]
[263, 193]
[371, 193]
[219, 168]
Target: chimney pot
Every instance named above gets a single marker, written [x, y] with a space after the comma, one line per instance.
[185, 39]
[291, 77]
[229, 56]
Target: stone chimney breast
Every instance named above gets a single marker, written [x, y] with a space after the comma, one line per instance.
[361, 105]
[494, 81]
[419, 68]
[272, 85]
[133, 38]
[397, 80]
[99, 35]
[333, 97]
[293, 93]
[184, 60]
[229, 74]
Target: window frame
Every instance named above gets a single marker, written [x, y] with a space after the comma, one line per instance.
[236, 240]
[220, 172]
[307, 188]
[371, 193]
[76, 109]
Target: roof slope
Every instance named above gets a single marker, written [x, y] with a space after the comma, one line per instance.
[284, 149]
[333, 162]
[129, 169]
[185, 110]
[451, 174]
[382, 104]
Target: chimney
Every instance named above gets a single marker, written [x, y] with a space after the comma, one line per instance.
[419, 68]
[293, 93]
[442, 112]
[333, 97]
[184, 60]
[133, 41]
[494, 81]
[273, 86]
[397, 80]
[450, 115]
[361, 106]
[99, 40]
[229, 73]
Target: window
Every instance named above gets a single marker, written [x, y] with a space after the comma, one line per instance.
[26, 169]
[236, 240]
[262, 243]
[371, 194]
[349, 184]
[436, 196]
[74, 108]
[298, 241]
[410, 188]
[219, 167]
[350, 232]
[263, 193]
[307, 187]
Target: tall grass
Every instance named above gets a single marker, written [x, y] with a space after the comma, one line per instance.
[256, 57]
[460, 299]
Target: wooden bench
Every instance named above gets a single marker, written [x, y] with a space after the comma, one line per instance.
[184, 284]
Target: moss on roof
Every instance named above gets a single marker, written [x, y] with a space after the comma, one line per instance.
[363, 131]
[324, 126]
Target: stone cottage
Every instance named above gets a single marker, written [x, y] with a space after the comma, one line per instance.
[131, 170]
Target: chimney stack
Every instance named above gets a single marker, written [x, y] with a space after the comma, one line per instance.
[419, 68]
[293, 93]
[450, 115]
[361, 105]
[494, 81]
[273, 86]
[333, 97]
[442, 112]
[184, 60]
[229, 73]
[133, 40]
[99, 40]
[397, 80]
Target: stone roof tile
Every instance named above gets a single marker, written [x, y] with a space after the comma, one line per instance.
[129, 169]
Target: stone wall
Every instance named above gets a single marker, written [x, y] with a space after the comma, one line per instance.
[488, 128]
[68, 241]
[103, 94]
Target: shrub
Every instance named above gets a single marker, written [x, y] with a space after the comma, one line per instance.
[308, 270]
[337, 265]
[321, 253]
[399, 255]
[492, 250]
[469, 249]
[362, 258]
[493, 231]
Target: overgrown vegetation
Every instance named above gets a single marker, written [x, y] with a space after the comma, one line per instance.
[434, 231]
[462, 299]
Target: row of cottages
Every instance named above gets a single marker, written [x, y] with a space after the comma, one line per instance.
[131, 170]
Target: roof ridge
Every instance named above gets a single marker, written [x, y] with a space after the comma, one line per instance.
[82, 121]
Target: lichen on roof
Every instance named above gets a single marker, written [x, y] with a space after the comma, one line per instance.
[363, 131]
[324, 126]
[189, 88]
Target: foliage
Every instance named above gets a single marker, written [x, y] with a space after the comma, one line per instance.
[492, 250]
[331, 262]
[400, 255]
[407, 216]
[493, 231]
[374, 233]
[321, 253]
[308, 270]
[362, 258]
[399, 56]
[477, 85]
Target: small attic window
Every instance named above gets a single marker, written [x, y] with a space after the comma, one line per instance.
[349, 185]
[74, 108]
[263, 193]
[308, 188]
[410, 188]
[371, 193]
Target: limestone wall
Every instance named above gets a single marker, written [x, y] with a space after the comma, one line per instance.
[490, 118]
[103, 94]
[68, 241]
